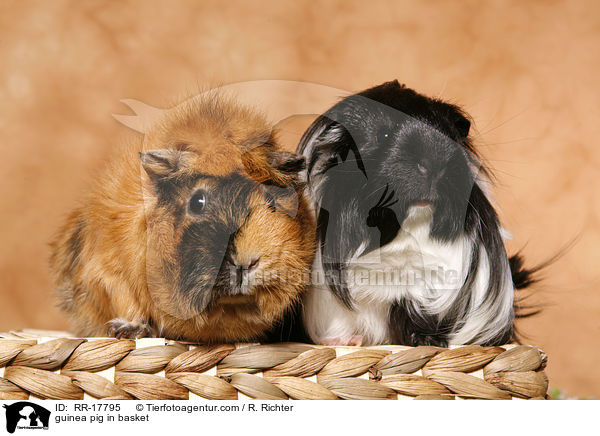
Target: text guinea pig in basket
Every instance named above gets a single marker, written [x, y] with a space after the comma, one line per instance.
[410, 246]
[198, 232]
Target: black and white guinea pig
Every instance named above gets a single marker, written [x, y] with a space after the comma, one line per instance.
[410, 248]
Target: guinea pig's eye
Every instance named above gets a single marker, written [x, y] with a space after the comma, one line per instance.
[198, 202]
[384, 135]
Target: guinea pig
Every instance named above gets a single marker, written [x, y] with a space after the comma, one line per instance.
[410, 248]
[198, 232]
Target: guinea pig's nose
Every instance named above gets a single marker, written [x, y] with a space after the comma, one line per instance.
[241, 273]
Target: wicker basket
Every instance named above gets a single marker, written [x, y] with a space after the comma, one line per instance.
[52, 365]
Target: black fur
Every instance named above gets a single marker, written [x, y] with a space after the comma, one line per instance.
[522, 277]
[289, 329]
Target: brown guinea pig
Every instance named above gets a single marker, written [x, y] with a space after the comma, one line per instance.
[198, 232]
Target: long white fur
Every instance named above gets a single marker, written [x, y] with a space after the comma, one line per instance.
[413, 254]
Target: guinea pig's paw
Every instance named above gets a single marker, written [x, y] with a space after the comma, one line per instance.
[122, 329]
[356, 341]
[350, 340]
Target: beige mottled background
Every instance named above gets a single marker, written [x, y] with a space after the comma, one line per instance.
[526, 71]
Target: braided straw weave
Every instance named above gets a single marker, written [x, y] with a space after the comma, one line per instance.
[67, 368]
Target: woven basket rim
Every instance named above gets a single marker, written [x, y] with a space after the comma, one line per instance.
[59, 365]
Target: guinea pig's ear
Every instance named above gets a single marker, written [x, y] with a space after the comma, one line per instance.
[322, 132]
[397, 84]
[462, 126]
[162, 163]
[288, 166]
[287, 163]
[325, 141]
